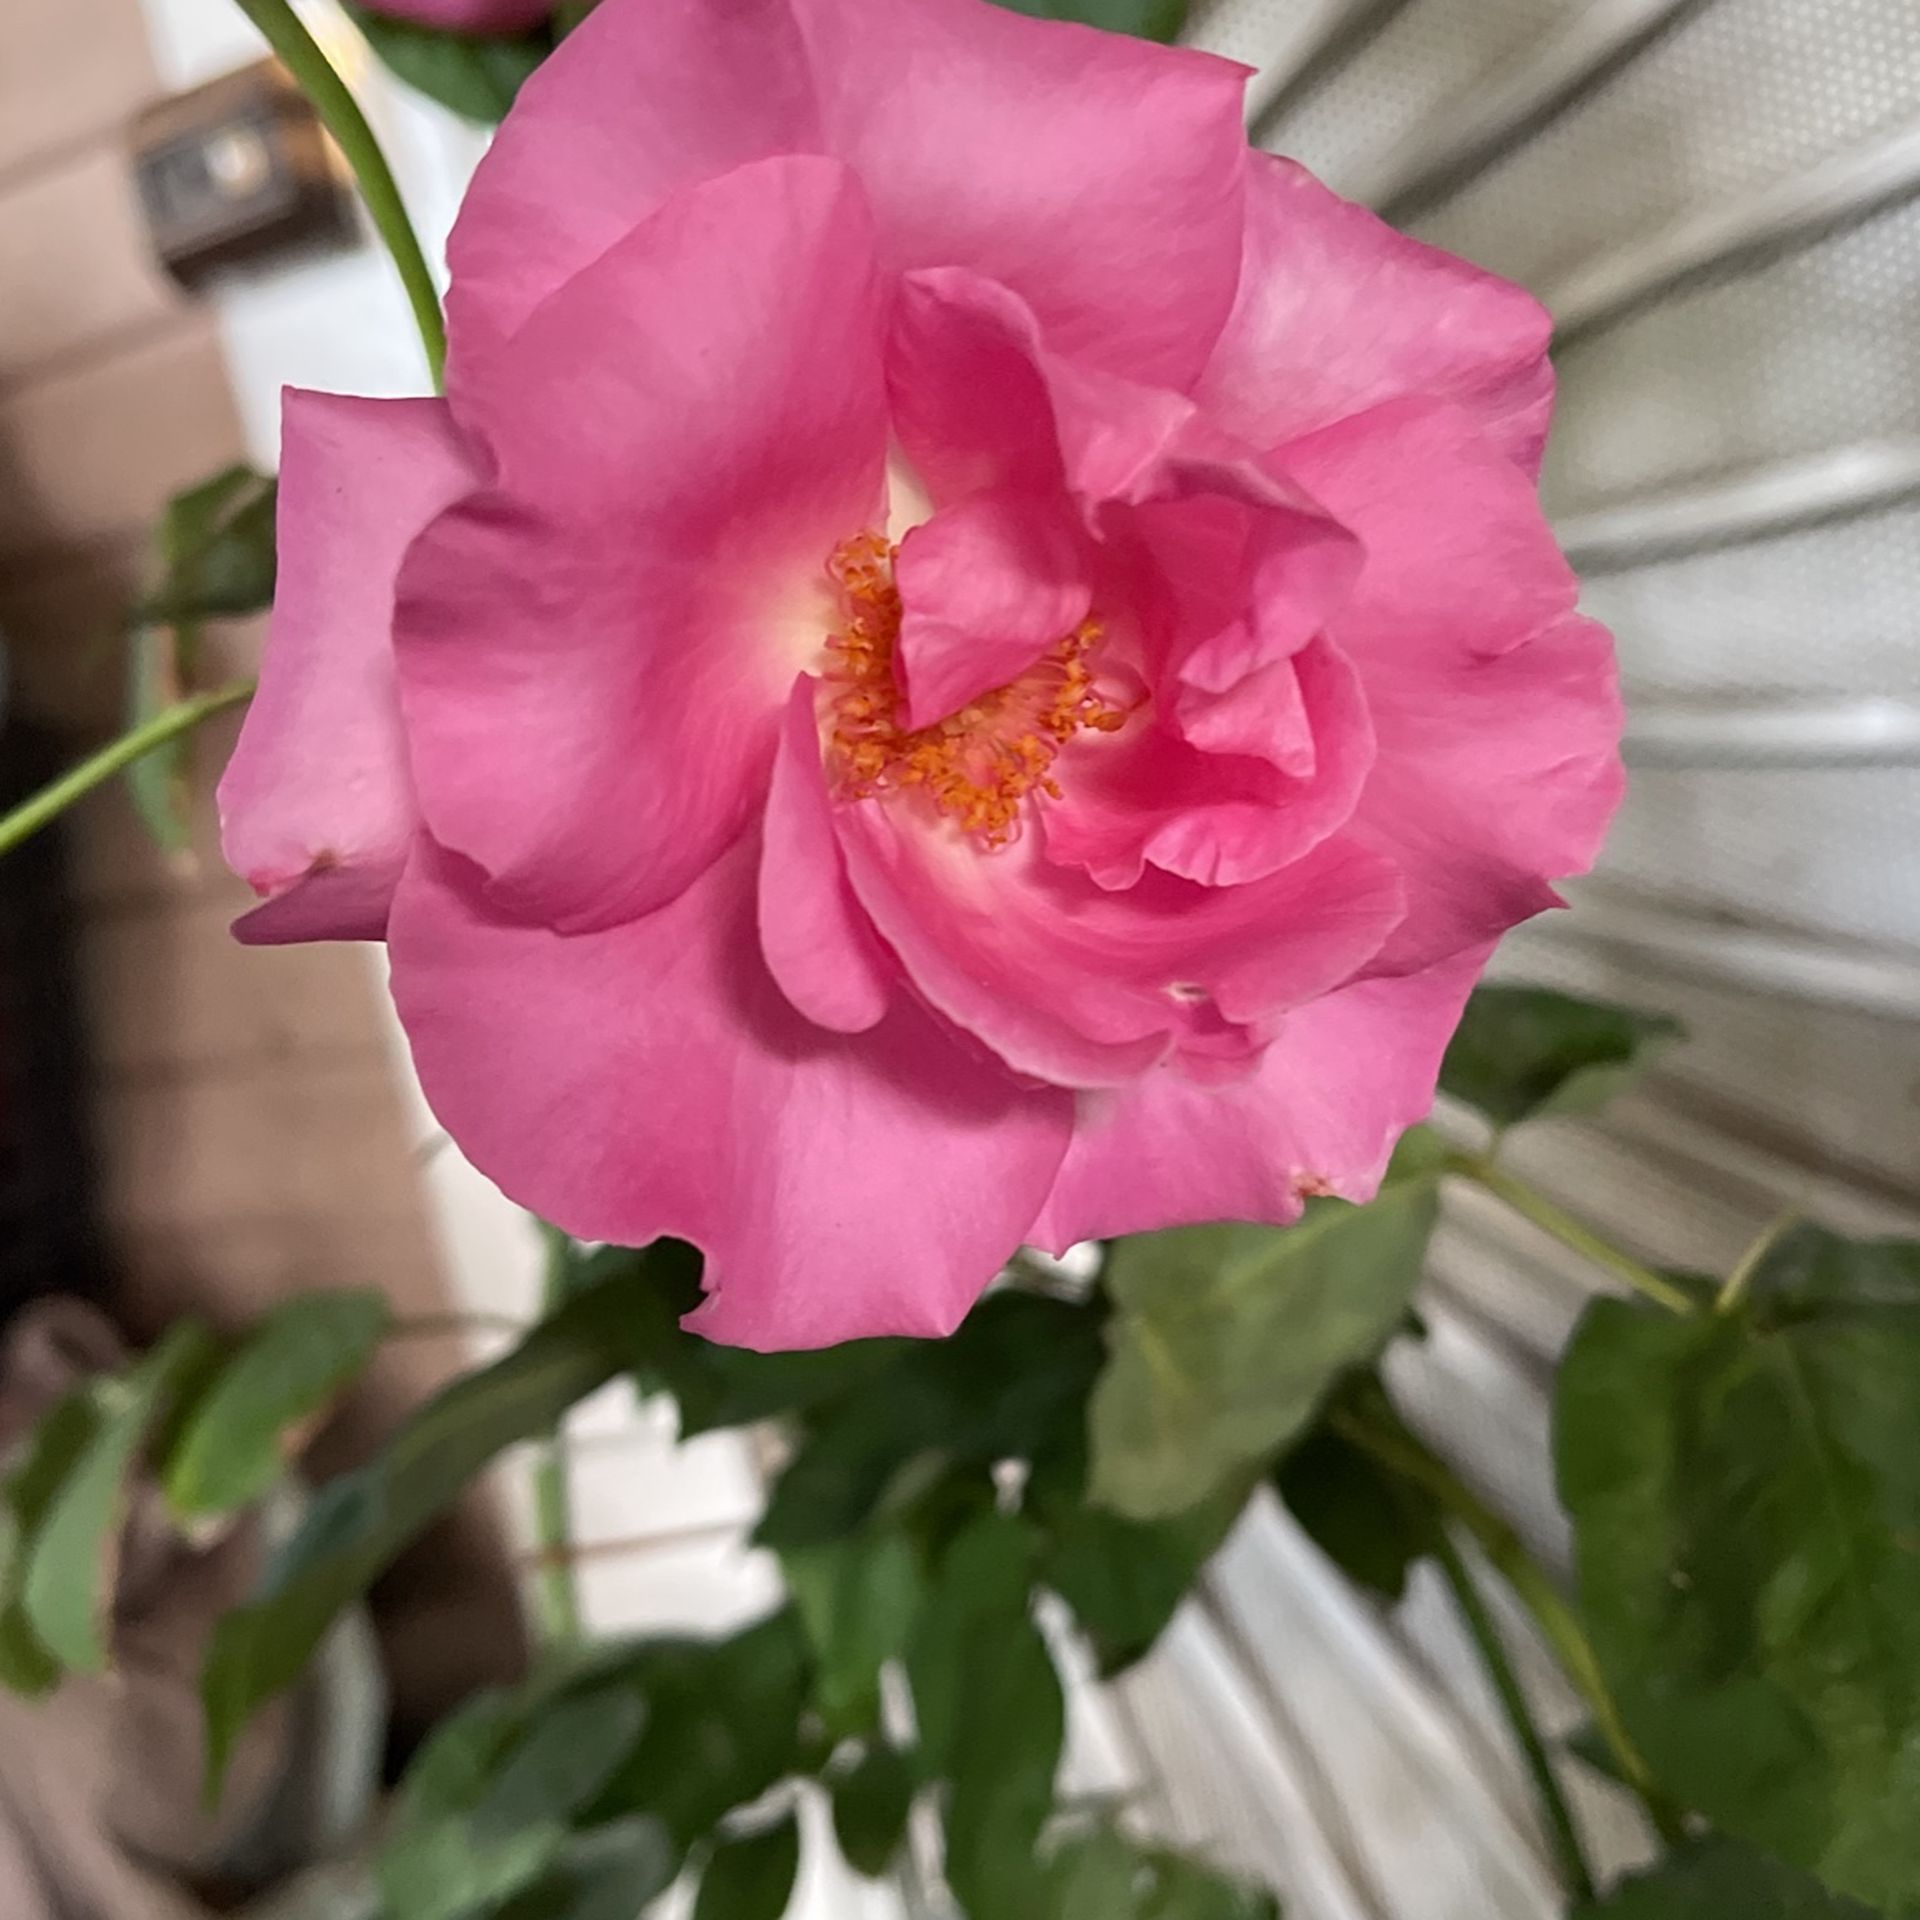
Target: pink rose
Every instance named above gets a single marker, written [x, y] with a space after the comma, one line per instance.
[467, 16]
[965, 661]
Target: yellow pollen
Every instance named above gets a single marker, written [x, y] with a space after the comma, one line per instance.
[978, 766]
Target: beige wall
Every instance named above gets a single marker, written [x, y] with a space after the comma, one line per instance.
[251, 1136]
[112, 390]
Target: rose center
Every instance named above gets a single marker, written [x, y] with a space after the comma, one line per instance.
[979, 765]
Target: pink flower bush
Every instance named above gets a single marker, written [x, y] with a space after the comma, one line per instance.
[468, 16]
[965, 661]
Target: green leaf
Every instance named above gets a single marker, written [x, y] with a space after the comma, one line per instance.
[26, 1667]
[981, 1590]
[1717, 1879]
[442, 1873]
[476, 75]
[1149, 19]
[870, 1808]
[990, 1712]
[451, 1770]
[501, 1809]
[1810, 1271]
[1003, 1755]
[293, 1366]
[214, 553]
[562, 1760]
[1124, 1579]
[1524, 1052]
[74, 1559]
[1105, 1876]
[1373, 1525]
[1227, 1338]
[716, 1386]
[739, 1388]
[1589, 1746]
[998, 1389]
[53, 1450]
[723, 1725]
[1094, 1877]
[160, 784]
[1745, 1491]
[858, 1600]
[216, 550]
[751, 1878]
[360, 1522]
[1182, 1890]
[612, 1873]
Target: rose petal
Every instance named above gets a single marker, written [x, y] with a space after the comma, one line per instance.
[1219, 817]
[1346, 1076]
[969, 401]
[637, 103]
[982, 400]
[1249, 579]
[1263, 715]
[1097, 175]
[651, 1079]
[595, 654]
[1138, 151]
[1337, 313]
[986, 587]
[316, 805]
[817, 939]
[1257, 741]
[1496, 711]
[1082, 987]
[1208, 839]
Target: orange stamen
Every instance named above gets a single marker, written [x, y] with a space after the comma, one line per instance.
[978, 766]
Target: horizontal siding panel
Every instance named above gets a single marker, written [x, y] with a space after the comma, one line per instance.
[264, 1143]
[69, 70]
[60, 618]
[76, 268]
[172, 992]
[95, 449]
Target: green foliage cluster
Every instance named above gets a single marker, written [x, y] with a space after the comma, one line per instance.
[1743, 1481]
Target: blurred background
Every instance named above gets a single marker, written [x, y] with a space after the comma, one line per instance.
[1719, 200]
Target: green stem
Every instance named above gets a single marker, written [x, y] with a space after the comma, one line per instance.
[1485, 1635]
[286, 33]
[570, 14]
[1532, 1204]
[1401, 1452]
[558, 1586]
[116, 757]
[1741, 1278]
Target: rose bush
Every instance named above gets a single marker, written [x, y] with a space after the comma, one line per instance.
[964, 662]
